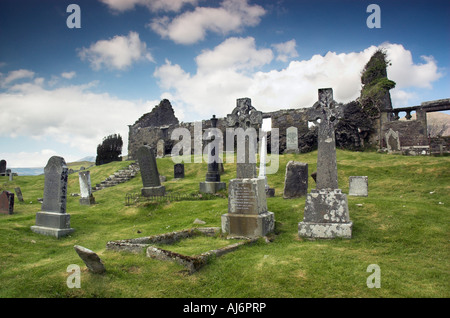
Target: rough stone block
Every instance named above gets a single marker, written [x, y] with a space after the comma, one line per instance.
[153, 191]
[325, 230]
[212, 187]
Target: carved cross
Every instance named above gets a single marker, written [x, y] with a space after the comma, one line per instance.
[329, 112]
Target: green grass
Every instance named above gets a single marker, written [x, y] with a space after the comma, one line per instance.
[403, 226]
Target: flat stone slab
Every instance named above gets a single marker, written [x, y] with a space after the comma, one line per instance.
[358, 186]
[250, 226]
[153, 191]
[212, 187]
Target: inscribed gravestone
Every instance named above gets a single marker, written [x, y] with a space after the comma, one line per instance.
[6, 202]
[87, 198]
[247, 205]
[53, 219]
[358, 186]
[291, 140]
[296, 180]
[326, 208]
[149, 173]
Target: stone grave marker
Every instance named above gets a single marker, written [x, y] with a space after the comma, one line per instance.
[270, 192]
[178, 170]
[291, 140]
[149, 173]
[392, 141]
[295, 180]
[212, 182]
[358, 186]
[247, 215]
[52, 219]
[2, 167]
[326, 208]
[6, 202]
[160, 151]
[19, 194]
[87, 198]
[91, 259]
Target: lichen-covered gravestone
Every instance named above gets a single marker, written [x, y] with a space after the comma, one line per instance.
[19, 194]
[52, 219]
[326, 208]
[291, 140]
[247, 205]
[149, 173]
[87, 198]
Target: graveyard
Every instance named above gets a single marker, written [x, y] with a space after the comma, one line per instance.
[402, 226]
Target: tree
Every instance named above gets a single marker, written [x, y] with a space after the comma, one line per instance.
[109, 150]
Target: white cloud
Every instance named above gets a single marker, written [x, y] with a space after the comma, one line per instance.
[286, 50]
[68, 75]
[225, 74]
[152, 5]
[118, 53]
[71, 115]
[192, 26]
[15, 75]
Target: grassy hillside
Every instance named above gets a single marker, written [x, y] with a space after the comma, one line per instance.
[402, 226]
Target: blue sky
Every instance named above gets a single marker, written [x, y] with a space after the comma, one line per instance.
[63, 89]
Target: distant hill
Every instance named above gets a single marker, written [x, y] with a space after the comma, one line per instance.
[28, 171]
[89, 158]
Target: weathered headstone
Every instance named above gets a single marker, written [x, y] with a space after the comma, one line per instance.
[149, 173]
[178, 170]
[212, 182]
[9, 174]
[87, 198]
[392, 141]
[326, 208]
[19, 194]
[291, 140]
[160, 151]
[247, 205]
[2, 167]
[358, 186]
[91, 259]
[53, 219]
[6, 202]
[295, 180]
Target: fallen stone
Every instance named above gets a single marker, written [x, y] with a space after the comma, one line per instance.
[198, 221]
[91, 259]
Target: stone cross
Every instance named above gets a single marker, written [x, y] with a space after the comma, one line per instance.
[245, 116]
[328, 112]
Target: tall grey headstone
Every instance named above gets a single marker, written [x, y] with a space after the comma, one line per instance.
[358, 186]
[149, 173]
[86, 196]
[291, 140]
[247, 215]
[212, 182]
[270, 192]
[2, 167]
[6, 202]
[295, 180]
[326, 208]
[52, 219]
[9, 174]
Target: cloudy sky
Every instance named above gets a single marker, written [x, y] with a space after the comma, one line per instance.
[63, 88]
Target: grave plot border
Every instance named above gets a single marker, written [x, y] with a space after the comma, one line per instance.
[191, 263]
